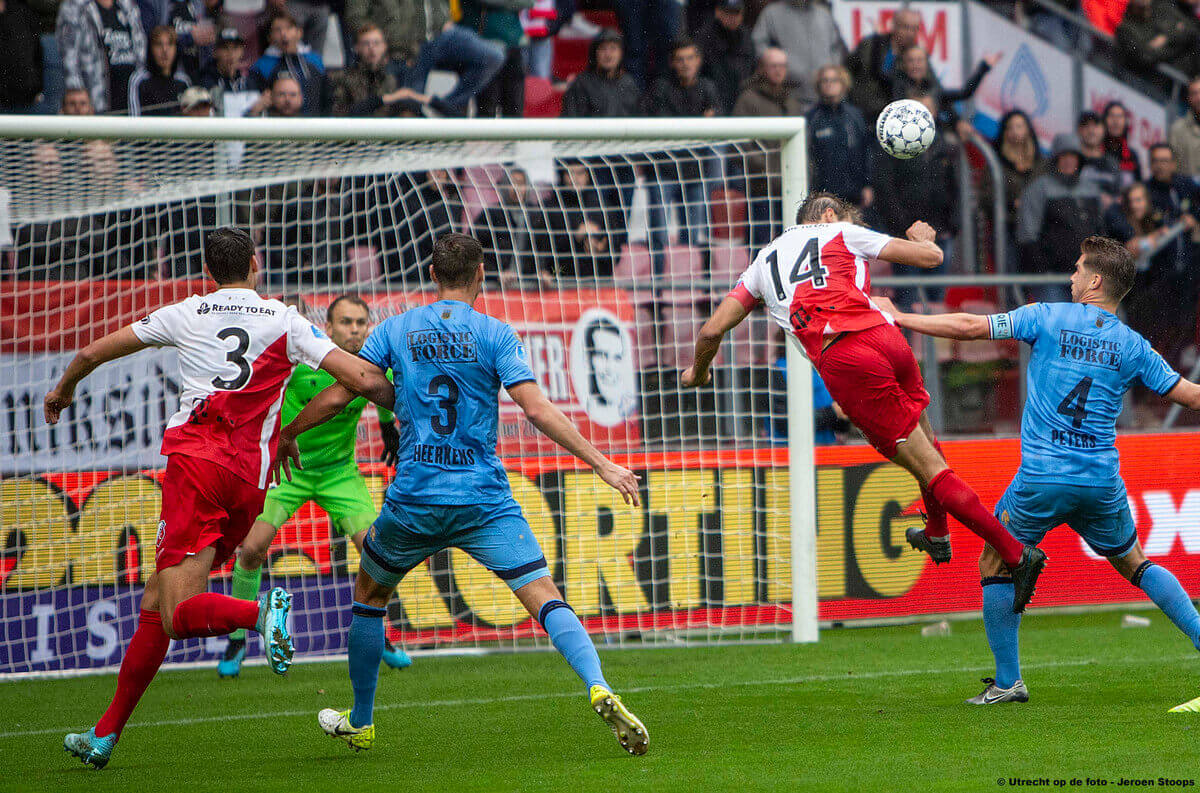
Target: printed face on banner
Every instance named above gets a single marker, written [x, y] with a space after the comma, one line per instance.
[602, 368]
[940, 32]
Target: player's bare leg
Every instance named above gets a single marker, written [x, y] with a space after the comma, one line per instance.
[934, 539]
[393, 656]
[356, 726]
[176, 605]
[544, 603]
[921, 458]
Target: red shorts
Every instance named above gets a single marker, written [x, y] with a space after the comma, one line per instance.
[873, 376]
[203, 504]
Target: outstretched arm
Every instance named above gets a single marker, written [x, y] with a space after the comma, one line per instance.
[1185, 393]
[964, 327]
[115, 345]
[323, 407]
[727, 316]
[542, 413]
[359, 376]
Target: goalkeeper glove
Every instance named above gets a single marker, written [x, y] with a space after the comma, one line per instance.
[391, 442]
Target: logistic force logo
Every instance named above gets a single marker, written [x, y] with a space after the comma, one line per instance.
[602, 368]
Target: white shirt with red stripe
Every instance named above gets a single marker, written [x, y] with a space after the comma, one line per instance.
[815, 281]
[236, 353]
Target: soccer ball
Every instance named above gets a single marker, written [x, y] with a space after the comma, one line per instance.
[905, 128]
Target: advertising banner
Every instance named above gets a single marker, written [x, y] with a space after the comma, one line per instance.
[708, 549]
[941, 30]
[1031, 76]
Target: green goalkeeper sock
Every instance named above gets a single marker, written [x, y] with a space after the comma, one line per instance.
[245, 587]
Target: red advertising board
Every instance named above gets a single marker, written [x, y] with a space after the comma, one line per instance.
[709, 546]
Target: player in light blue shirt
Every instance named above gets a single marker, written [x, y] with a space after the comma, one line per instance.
[449, 363]
[1083, 361]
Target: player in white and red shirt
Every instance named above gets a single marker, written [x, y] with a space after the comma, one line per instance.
[236, 353]
[814, 282]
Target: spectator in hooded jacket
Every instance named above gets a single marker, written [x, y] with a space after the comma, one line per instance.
[1057, 212]
[839, 143]
[767, 93]
[288, 53]
[101, 43]
[155, 88]
[876, 58]
[20, 58]
[805, 30]
[728, 51]
[604, 89]
[1116, 142]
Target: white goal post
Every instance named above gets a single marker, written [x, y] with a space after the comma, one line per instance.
[96, 234]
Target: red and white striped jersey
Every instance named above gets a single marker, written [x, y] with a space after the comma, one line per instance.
[236, 353]
[815, 281]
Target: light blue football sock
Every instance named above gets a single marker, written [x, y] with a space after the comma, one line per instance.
[572, 641]
[1001, 626]
[366, 650]
[1168, 594]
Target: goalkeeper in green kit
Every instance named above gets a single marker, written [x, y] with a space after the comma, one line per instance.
[329, 476]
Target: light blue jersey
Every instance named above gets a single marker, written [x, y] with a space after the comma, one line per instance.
[1084, 360]
[449, 363]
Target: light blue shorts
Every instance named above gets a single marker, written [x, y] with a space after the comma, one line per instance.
[495, 535]
[1098, 514]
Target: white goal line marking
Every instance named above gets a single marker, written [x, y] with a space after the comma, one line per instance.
[453, 703]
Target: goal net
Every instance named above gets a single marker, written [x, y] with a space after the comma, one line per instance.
[605, 247]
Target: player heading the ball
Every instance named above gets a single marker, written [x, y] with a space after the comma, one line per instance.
[451, 491]
[236, 352]
[815, 284]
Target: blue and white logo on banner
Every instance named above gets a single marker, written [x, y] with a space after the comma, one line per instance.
[1025, 85]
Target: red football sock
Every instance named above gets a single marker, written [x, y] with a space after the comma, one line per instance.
[935, 523]
[210, 614]
[143, 656]
[960, 501]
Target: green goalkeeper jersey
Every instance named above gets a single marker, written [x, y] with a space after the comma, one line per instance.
[331, 443]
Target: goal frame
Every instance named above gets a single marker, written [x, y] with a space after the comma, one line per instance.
[790, 132]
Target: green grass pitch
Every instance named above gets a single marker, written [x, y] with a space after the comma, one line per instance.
[875, 709]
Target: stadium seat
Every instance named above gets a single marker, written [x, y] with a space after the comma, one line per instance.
[684, 264]
[635, 263]
[542, 99]
[725, 265]
[645, 349]
[681, 322]
[727, 215]
[363, 264]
